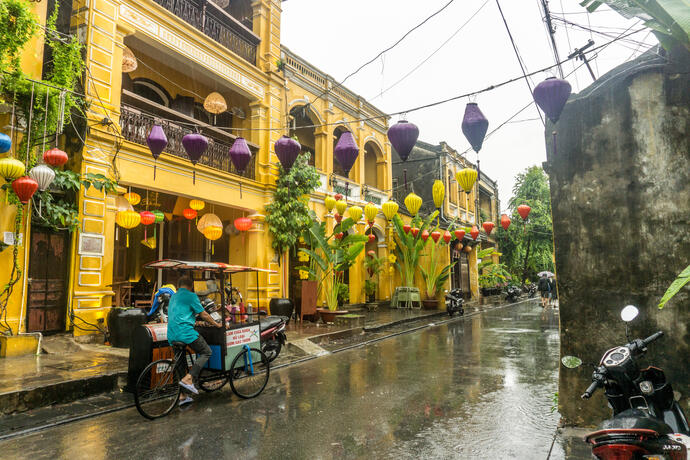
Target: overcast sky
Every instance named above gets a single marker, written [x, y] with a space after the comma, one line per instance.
[339, 36]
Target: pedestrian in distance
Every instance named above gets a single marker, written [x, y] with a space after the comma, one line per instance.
[544, 287]
[552, 291]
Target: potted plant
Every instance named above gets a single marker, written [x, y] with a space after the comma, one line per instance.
[332, 255]
[493, 279]
[435, 276]
[373, 266]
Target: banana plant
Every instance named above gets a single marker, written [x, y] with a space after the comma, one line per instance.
[434, 275]
[409, 247]
[682, 279]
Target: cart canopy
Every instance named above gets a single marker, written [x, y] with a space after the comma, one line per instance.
[171, 264]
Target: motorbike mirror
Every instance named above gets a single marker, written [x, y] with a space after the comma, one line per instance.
[571, 362]
[629, 313]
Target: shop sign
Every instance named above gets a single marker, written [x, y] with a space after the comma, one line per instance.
[236, 339]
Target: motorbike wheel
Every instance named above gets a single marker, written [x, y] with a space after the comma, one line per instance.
[272, 349]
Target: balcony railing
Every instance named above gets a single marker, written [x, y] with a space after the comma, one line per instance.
[137, 116]
[217, 24]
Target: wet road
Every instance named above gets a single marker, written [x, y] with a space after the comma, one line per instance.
[479, 387]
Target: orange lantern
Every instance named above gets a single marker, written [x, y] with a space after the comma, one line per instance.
[243, 224]
[474, 232]
[505, 221]
[189, 214]
[488, 227]
[147, 218]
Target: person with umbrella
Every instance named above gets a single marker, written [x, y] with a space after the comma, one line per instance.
[544, 288]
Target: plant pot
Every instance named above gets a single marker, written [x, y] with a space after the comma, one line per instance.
[281, 307]
[430, 304]
[328, 316]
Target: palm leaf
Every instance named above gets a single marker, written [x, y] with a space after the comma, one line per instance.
[676, 286]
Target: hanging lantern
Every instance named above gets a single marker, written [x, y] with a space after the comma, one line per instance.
[435, 236]
[338, 196]
[346, 151]
[133, 198]
[287, 150]
[208, 219]
[213, 232]
[157, 142]
[159, 217]
[372, 238]
[458, 246]
[474, 126]
[197, 205]
[195, 145]
[505, 221]
[129, 60]
[407, 228]
[474, 232]
[339, 236]
[467, 249]
[551, 96]
[5, 143]
[390, 209]
[413, 202]
[330, 203]
[425, 235]
[403, 137]
[243, 224]
[147, 218]
[466, 178]
[524, 210]
[43, 175]
[439, 193]
[190, 215]
[414, 231]
[11, 168]
[447, 236]
[215, 104]
[340, 206]
[354, 213]
[55, 157]
[127, 220]
[338, 217]
[488, 227]
[240, 156]
[121, 204]
[370, 212]
[24, 187]
[459, 234]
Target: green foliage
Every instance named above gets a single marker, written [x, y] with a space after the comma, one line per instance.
[554, 402]
[485, 257]
[370, 287]
[531, 188]
[373, 266]
[682, 279]
[409, 248]
[495, 275]
[343, 293]
[669, 19]
[288, 215]
[18, 26]
[434, 275]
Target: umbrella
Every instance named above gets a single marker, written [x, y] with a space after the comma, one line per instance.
[547, 274]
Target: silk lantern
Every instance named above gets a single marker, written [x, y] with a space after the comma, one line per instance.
[425, 235]
[329, 202]
[133, 198]
[435, 236]
[403, 137]
[447, 236]
[413, 202]
[147, 218]
[459, 234]
[467, 249]
[407, 228]
[24, 187]
[212, 233]
[157, 142]
[340, 206]
[524, 211]
[11, 168]
[488, 227]
[5, 143]
[43, 175]
[354, 213]
[195, 145]
[338, 217]
[505, 221]
[466, 178]
[474, 126]
[55, 157]
[215, 104]
[129, 61]
[159, 217]
[370, 212]
[551, 96]
[240, 156]
[414, 231]
[190, 215]
[121, 204]
[243, 224]
[207, 220]
[390, 209]
[346, 151]
[197, 205]
[127, 220]
[474, 232]
[287, 150]
[439, 193]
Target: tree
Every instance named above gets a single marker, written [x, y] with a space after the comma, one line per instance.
[528, 249]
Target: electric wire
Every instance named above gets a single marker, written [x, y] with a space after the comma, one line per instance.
[570, 48]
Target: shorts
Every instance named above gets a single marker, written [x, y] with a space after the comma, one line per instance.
[545, 294]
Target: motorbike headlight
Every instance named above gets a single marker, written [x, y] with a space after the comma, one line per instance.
[646, 387]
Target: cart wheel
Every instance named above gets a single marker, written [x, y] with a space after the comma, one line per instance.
[210, 380]
[249, 373]
[157, 390]
[272, 349]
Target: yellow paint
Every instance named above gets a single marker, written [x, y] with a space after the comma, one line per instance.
[17, 345]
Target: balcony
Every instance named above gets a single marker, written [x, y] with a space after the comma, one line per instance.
[138, 115]
[217, 24]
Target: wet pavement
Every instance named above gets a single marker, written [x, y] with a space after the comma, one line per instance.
[478, 387]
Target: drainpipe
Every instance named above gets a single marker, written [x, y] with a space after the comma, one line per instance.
[25, 287]
[442, 178]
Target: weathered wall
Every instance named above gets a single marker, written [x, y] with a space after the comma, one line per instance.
[620, 193]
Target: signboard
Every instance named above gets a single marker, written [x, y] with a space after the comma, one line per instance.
[236, 339]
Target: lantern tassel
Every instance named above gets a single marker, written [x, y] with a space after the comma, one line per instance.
[155, 161]
[145, 233]
[194, 176]
[240, 190]
[117, 234]
[127, 238]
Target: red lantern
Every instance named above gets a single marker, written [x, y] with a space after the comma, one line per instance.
[407, 228]
[24, 187]
[435, 236]
[147, 218]
[425, 235]
[339, 236]
[338, 196]
[372, 237]
[460, 234]
[243, 224]
[415, 232]
[55, 157]
[190, 215]
[447, 236]
[488, 227]
[371, 253]
[505, 221]
[338, 218]
[524, 210]
[474, 232]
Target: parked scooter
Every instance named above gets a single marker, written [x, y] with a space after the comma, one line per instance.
[531, 290]
[513, 293]
[455, 302]
[647, 423]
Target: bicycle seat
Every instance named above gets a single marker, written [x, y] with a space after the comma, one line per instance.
[179, 345]
[271, 321]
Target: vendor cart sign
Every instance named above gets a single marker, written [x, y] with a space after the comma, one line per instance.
[236, 339]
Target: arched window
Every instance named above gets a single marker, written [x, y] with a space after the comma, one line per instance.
[301, 126]
[151, 90]
[372, 153]
[337, 168]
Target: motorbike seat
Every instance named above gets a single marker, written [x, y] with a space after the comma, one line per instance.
[632, 419]
[271, 321]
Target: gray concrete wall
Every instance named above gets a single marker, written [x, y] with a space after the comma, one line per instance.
[620, 191]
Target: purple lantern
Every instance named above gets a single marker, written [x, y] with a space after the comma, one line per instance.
[287, 150]
[157, 142]
[403, 137]
[240, 156]
[195, 145]
[551, 96]
[474, 126]
[346, 151]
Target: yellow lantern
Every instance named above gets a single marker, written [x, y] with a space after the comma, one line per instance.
[213, 232]
[439, 193]
[197, 205]
[354, 213]
[466, 178]
[413, 202]
[127, 220]
[133, 198]
[208, 220]
[330, 203]
[340, 206]
[11, 168]
[390, 209]
[370, 212]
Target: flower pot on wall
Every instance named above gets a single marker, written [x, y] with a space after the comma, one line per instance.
[430, 304]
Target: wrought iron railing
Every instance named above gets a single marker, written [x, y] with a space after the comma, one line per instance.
[216, 24]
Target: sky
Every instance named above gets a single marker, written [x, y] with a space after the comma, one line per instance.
[339, 36]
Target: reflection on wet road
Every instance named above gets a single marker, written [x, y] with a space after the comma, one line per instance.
[479, 387]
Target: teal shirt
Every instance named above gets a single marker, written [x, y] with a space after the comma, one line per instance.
[182, 310]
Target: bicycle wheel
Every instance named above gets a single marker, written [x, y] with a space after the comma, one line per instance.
[249, 373]
[210, 380]
[157, 390]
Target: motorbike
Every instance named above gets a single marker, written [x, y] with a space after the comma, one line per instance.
[647, 422]
[531, 290]
[455, 302]
[513, 293]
